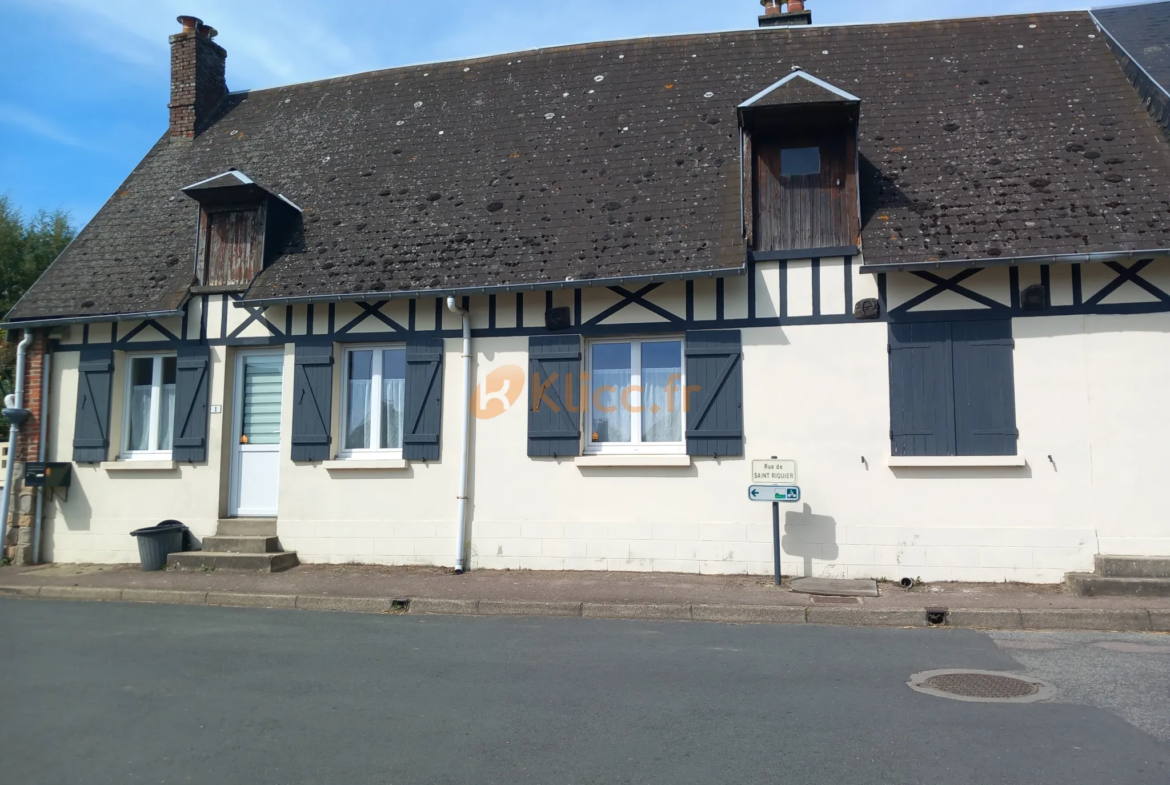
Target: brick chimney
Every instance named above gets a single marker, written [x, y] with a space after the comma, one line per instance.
[775, 14]
[198, 82]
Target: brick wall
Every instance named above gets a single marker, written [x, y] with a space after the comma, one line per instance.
[22, 504]
[198, 81]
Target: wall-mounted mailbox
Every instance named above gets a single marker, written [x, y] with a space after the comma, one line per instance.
[48, 475]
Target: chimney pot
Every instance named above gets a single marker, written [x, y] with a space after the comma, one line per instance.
[207, 31]
[190, 23]
[777, 15]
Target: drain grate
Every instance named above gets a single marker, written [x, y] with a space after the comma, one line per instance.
[982, 686]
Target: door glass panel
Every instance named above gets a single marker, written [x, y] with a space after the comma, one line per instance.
[262, 389]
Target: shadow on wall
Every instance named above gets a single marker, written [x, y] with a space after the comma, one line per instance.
[810, 537]
[76, 513]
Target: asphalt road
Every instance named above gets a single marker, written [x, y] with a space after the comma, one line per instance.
[119, 693]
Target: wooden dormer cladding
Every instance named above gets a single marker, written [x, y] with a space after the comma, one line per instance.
[800, 169]
[231, 247]
[242, 227]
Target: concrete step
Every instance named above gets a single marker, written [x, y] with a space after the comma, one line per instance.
[239, 543]
[252, 562]
[1092, 585]
[1133, 566]
[247, 527]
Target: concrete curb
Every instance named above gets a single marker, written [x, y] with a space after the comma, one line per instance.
[1119, 620]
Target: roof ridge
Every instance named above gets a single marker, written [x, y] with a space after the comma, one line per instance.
[557, 48]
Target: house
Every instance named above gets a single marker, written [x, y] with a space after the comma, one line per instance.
[545, 310]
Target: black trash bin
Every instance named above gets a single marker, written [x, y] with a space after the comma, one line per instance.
[155, 543]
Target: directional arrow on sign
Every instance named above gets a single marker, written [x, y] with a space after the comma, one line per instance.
[774, 493]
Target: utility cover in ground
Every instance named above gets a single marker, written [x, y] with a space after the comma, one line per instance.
[835, 587]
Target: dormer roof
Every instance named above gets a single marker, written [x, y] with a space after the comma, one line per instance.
[799, 87]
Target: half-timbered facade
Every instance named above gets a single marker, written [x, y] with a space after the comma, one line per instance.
[949, 311]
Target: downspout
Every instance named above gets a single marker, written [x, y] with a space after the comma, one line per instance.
[46, 368]
[17, 403]
[465, 449]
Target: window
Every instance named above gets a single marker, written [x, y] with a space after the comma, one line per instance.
[795, 161]
[636, 396]
[373, 401]
[231, 254]
[952, 389]
[150, 406]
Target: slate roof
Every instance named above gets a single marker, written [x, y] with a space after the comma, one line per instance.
[995, 137]
[1144, 31]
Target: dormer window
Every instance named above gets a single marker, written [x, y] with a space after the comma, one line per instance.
[800, 167]
[232, 248]
[242, 227]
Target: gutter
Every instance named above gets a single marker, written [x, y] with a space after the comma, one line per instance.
[414, 294]
[114, 317]
[1072, 258]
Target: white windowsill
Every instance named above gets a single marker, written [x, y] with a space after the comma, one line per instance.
[367, 465]
[956, 461]
[135, 465]
[596, 461]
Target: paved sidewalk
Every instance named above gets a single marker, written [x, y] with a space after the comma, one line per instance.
[736, 599]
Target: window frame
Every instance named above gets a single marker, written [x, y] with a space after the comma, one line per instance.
[366, 453]
[636, 447]
[156, 386]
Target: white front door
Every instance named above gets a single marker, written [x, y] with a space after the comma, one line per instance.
[255, 487]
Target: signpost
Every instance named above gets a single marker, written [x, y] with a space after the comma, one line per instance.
[771, 471]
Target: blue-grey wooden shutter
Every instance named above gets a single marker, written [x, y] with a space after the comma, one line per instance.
[921, 389]
[424, 399]
[192, 380]
[985, 390]
[714, 404]
[91, 429]
[312, 403]
[554, 408]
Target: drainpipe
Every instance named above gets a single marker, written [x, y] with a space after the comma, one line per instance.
[46, 368]
[17, 401]
[465, 449]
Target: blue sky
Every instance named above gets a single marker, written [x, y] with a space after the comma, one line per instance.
[84, 84]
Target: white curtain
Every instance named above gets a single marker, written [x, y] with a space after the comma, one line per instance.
[166, 417]
[611, 426]
[665, 425]
[140, 417]
[393, 409]
[357, 413]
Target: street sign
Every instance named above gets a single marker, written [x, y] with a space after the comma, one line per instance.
[774, 471]
[774, 493]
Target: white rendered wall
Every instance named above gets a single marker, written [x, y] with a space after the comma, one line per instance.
[1089, 393]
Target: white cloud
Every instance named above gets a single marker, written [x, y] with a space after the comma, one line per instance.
[33, 123]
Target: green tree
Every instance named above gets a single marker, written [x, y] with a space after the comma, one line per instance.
[27, 248]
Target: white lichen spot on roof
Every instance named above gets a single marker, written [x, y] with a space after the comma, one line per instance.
[418, 104]
[465, 70]
[401, 122]
[708, 95]
[566, 95]
[591, 92]
[442, 132]
[550, 115]
[1019, 46]
[825, 52]
[599, 78]
[621, 57]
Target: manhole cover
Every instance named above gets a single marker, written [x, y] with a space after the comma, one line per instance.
[982, 686]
